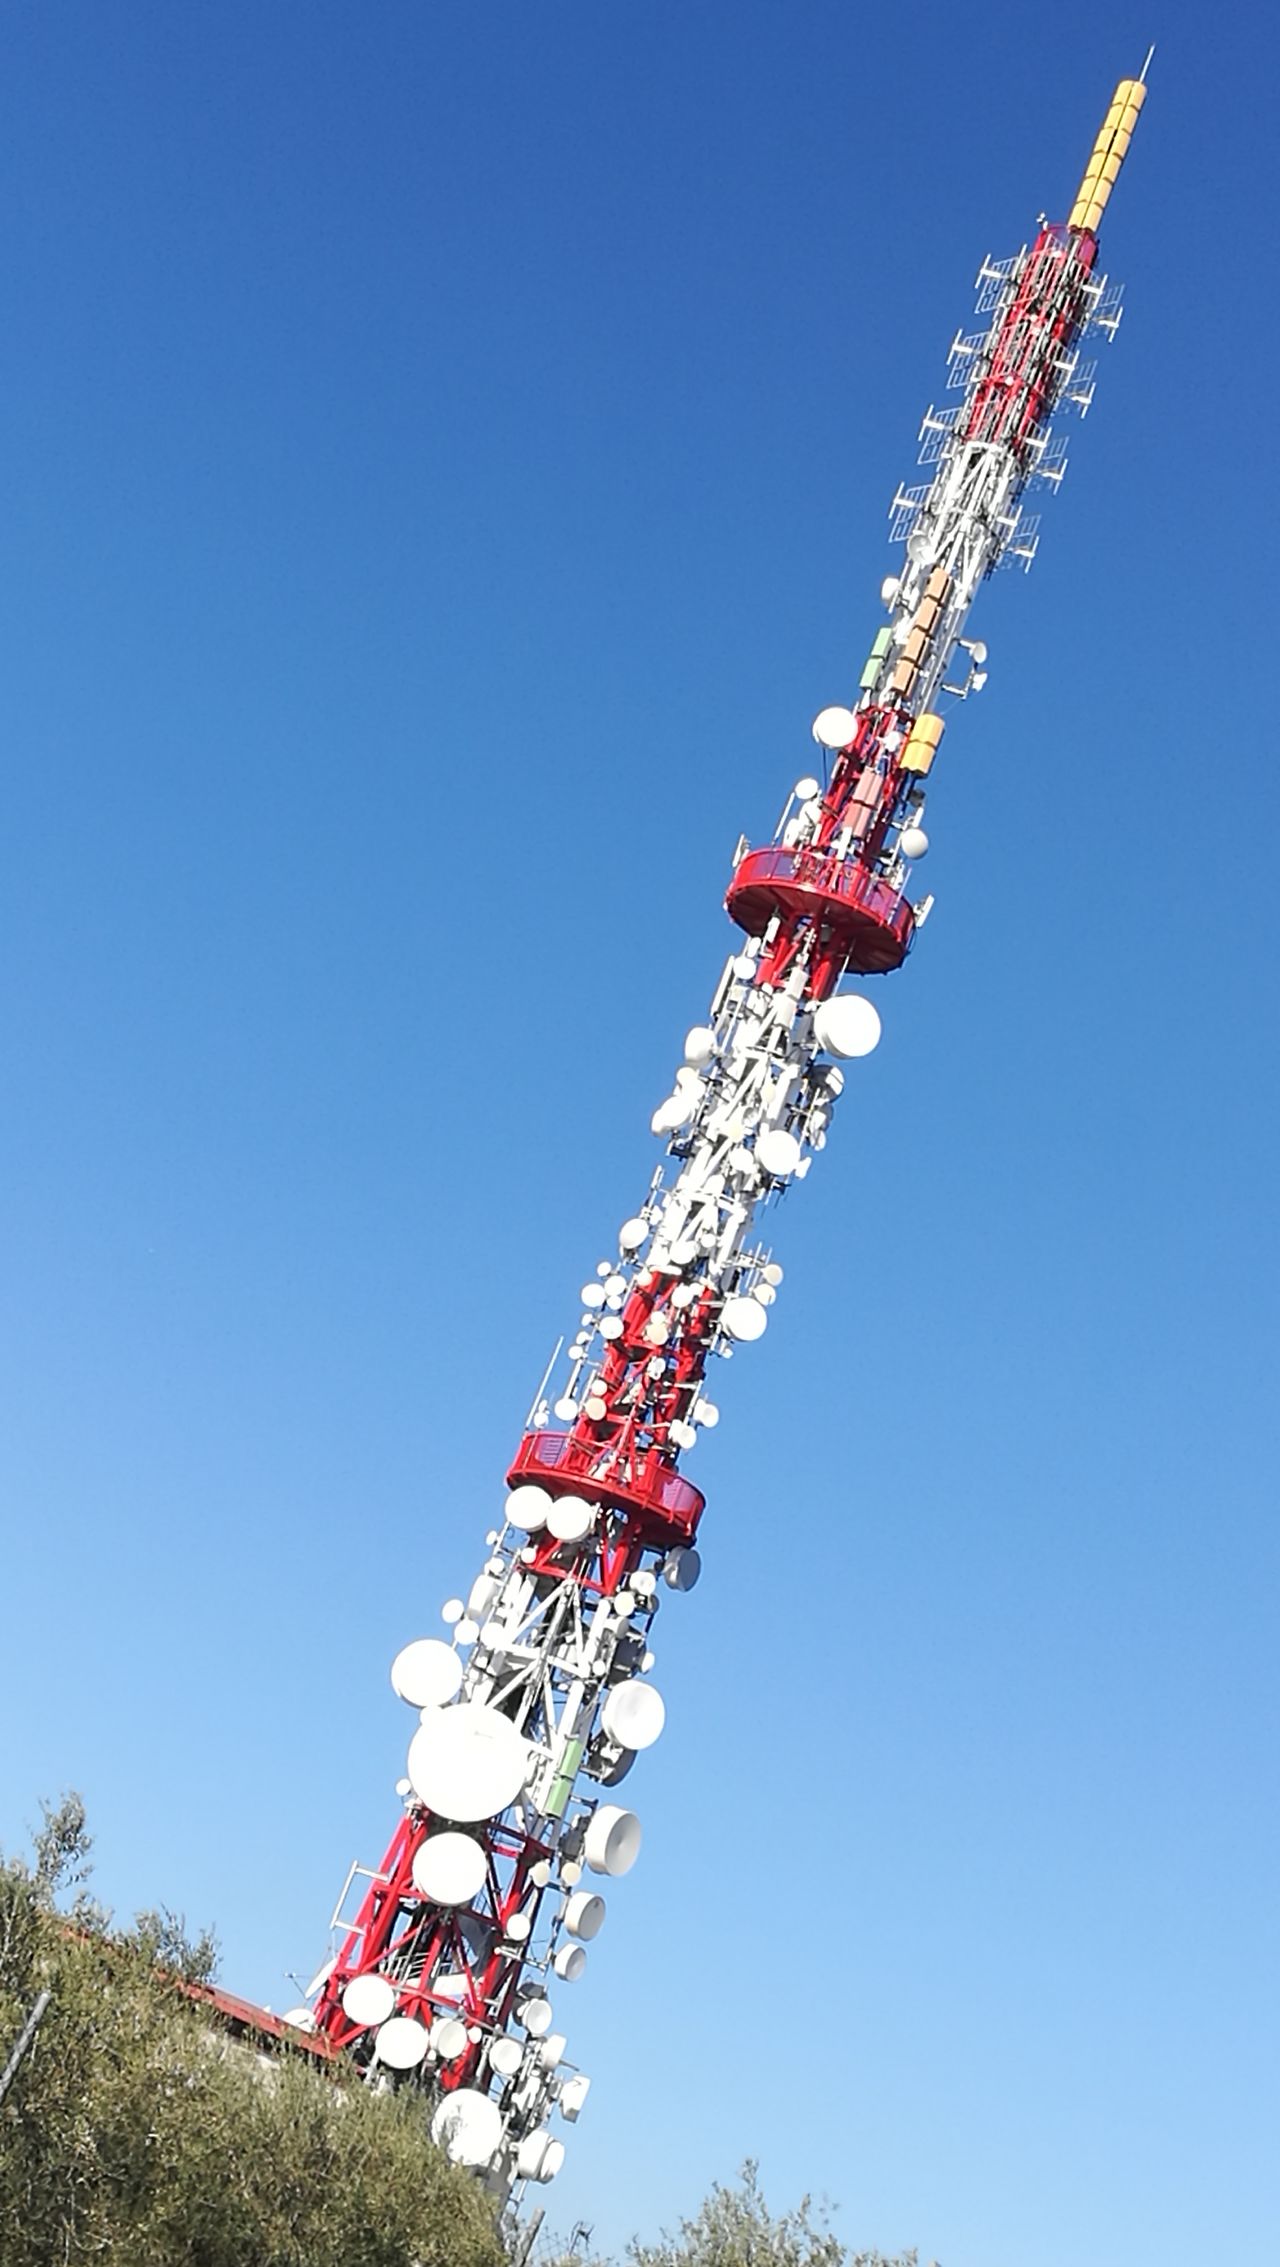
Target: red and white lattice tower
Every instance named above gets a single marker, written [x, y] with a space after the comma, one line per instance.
[450, 1969]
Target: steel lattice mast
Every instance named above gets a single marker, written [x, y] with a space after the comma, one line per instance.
[536, 1705]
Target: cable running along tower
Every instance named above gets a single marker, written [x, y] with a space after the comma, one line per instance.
[452, 1959]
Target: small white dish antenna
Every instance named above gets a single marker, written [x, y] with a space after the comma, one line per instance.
[848, 1025]
[681, 1568]
[527, 1507]
[805, 789]
[402, 2042]
[532, 2150]
[427, 1673]
[299, 2019]
[744, 1320]
[506, 2056]
[706, 1413]
[570, 1961]
[468, 2127]
[448, 2038]
[684, 1435]
[611, 1327]
[519, 1928]
[834, 727]
[565, 1409]
[634, 1714]
[612, 1841]
[913, 842]
[368, 1999]
[552, 2049]
[552, 2159]
[450, 1869]
[451, 1612]
[535, 2014]
[468, 1762]
[632, 1234]
[699, 1045]
[772, 1273]
[592, 1295]
[584, 1913]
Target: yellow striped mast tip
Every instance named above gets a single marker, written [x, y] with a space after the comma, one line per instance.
[1109, 152]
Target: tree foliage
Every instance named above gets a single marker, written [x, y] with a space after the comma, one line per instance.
[734, 2227]
[137, 2132]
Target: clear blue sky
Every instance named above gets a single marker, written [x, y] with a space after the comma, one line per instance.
[445, 453]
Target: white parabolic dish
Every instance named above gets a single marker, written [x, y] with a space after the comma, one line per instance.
[634, 1714]
[847, 1025]
[527, 1507]
[744, 1319]
[450, 1869]
[467, 1762]
[778, 1151]
[834, 727]
[368, 1999]
[570, 1518]
[467, 2126]
[584, 1915]
[612, 1842]
[402, 2043]
[427, 1673]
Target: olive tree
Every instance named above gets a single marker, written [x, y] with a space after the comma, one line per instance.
[137, 2131]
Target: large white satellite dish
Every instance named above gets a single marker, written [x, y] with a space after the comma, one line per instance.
[450, 1869]
[467, 2126]
[778, 1152]
[744, 1320]
[467, 1762]
[570, 1518]
[527, 1507]
[612, 1841]
[847, 1025]
[634, 1714]
[402, 2042]
[368, 1999]
[427, 1673]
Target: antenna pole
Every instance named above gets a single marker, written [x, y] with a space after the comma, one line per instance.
[23, 2042]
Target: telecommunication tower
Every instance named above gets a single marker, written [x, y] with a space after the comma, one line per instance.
[451, 1957]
